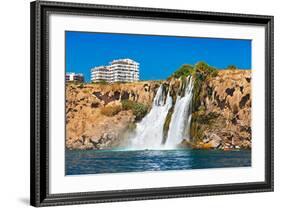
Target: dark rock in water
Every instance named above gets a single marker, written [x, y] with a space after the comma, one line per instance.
[185, 144]
[213, 140]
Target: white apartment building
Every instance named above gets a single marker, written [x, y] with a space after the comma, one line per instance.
[101, 73]
[74, 77]
[121, 70]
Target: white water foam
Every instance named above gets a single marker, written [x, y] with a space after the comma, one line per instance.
[181, 117]
[149, 132]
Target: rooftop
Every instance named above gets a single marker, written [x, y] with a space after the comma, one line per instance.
[73, 73]
[126, 61]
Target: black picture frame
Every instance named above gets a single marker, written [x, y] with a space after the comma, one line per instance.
[39, 187]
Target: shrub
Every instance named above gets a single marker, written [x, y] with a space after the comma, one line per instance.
[120, 82]
[81, 85]
[139, 109]
[203, 70]
[102, 82]
[200, 71]
[232, 67]
[184, 71]
[111, 110]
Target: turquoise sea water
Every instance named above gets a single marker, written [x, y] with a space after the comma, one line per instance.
[110, 161]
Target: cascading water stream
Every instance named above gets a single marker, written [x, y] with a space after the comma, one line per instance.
[149, 132]
[181, 117]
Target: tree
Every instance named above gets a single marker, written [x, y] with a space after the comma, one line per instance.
[184, 71]
[202, 70]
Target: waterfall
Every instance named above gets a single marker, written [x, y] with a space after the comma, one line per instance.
[149, 132]
[181, 118]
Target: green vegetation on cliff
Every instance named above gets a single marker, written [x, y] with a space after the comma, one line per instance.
[200, 72]
[167, 124]
[184, 71]
[139, 109]
[202, 122]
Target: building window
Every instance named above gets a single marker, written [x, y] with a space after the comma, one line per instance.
[125, 70]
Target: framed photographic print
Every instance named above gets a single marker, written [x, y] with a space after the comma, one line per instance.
[131, 103]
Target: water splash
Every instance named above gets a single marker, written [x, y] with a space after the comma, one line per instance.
[149, 132]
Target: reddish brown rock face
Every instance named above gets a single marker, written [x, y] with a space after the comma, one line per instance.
[225, 111]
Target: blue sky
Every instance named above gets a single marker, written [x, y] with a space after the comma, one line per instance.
[159, 56]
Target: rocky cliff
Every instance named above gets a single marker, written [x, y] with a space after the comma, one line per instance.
[100, 116]
[222, 118]
[95, 116]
